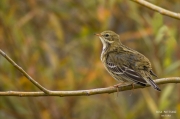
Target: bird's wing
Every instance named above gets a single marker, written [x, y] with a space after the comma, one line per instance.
[123, 70]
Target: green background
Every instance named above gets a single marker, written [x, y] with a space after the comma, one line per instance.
[53, 40]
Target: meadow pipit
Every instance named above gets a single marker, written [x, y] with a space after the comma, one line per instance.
[123, 63]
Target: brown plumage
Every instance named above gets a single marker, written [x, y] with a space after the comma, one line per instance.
[125, 64]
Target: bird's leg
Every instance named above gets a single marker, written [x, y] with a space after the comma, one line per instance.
[117, 87]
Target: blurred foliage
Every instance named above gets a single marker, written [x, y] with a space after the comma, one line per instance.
[53, 40]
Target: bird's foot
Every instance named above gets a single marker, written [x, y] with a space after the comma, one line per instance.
[117, 87]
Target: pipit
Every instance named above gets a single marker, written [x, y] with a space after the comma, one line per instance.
[125, 64]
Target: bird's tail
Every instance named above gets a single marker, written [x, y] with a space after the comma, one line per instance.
[152, 83]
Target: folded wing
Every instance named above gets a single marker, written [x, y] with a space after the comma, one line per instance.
[124, 71]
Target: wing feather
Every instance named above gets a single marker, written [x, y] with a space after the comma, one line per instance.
[125, 71]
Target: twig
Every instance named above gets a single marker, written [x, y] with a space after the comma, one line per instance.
[47, 92]
[73, 93]
[87, 92]
[158, 9]
[24, 73]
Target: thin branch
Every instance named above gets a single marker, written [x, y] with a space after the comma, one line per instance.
[73, 93]
[47, 92]
[87, 92]
[158, 9]
[24, 73]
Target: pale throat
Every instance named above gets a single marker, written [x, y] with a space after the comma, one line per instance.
[104, 43]
[105, 46]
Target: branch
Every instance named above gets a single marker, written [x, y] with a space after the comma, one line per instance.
[87, 92]
[24, 73]
[47, 92]
[158, 9]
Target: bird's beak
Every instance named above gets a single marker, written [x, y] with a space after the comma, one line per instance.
[97, 34]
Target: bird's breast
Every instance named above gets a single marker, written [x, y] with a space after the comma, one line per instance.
[103, 55]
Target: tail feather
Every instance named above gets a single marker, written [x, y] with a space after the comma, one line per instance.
[142, 84]
[152, 73]
[152, 83]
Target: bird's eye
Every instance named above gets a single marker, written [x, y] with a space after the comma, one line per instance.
[106, 35]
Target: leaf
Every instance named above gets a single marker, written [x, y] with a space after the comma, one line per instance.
[160, 34]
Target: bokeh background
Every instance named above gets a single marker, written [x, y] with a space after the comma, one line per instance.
[53, 40]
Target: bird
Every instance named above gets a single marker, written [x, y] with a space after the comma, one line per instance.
[125, 64]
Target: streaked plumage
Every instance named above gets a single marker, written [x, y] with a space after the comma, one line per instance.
[125, 64]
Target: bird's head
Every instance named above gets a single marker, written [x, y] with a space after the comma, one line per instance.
[109, 38]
